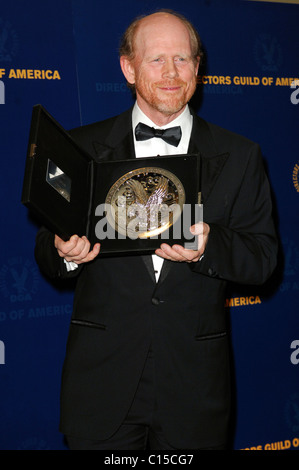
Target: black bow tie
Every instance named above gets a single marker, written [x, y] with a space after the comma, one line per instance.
[172, 135]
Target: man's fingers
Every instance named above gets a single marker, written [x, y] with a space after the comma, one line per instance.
[201, 231]
[65, 247]
[162, 253]
[91, 254]
[177, 253]
[184, 254]
[81, 248]
[76, 249]
[79, 251]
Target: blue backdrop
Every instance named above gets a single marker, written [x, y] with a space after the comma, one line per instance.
[64, 55]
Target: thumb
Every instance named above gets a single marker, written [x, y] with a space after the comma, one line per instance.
[197, 229]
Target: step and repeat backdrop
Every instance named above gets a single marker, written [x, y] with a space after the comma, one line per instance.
[64, 55]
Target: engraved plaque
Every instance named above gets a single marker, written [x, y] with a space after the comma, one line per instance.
[145, 202]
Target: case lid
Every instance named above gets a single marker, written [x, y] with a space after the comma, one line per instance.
[58, 177]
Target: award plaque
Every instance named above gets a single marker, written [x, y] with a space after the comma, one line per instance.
[138, 203]
[129, 205]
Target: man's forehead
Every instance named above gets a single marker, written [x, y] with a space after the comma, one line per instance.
[159, 22]
[160, 29]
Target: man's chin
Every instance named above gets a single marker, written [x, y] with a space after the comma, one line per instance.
[169, 110]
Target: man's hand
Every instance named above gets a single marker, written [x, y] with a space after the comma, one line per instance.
[76, 249]
[179, 253]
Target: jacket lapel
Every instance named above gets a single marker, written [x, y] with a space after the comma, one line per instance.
[212, 162]
[119, 144]
[148, 261]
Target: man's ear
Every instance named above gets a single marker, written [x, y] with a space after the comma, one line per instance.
[127, 69]
[197, 64]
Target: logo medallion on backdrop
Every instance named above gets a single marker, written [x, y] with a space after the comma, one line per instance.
[34, 443]
[291, 251]
[291, 266]
[268, 53]
[9, 43]
[18, 279]
[295, 177]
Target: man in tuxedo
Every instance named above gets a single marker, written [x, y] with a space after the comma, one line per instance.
[147, 361]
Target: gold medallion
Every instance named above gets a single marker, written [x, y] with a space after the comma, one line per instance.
[145, 202]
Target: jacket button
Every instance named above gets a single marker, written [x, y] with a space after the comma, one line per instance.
[212, 272]
[155, 301]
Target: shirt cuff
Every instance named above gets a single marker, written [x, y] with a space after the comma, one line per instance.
[70, 265]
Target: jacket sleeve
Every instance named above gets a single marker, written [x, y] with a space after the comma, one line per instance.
[47, 258]
[245, 250]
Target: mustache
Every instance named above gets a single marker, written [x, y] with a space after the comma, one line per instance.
[170, 83]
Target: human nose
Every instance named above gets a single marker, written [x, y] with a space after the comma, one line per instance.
[170, 69]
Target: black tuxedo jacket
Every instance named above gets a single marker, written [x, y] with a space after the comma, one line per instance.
[120, 311]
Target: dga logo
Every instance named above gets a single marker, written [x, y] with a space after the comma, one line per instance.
[268, 53]
[18, 279]
[291, 252]
[295, 94]
[291, 266]
[292, 412]
[9, 43]
[295, 176]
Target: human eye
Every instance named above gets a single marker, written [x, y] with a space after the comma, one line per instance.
[181, 60]
[157, 60]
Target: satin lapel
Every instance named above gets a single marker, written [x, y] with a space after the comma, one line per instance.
[165, 270]
[212, 160]
[119, 144]
[148, 261]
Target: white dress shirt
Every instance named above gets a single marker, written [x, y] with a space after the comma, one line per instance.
[157, 146]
